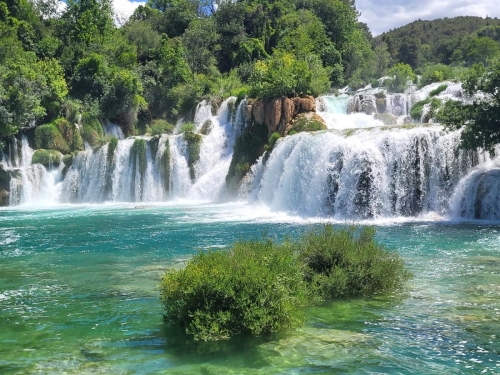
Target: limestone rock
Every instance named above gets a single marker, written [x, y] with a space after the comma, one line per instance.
[4, 198]
[307, 122]
[273, 115]
[386, 118]
[207, 127]
[259, 112]
[381, 105]
[288, 113]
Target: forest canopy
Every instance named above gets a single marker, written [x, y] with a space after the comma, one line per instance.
[81, 65]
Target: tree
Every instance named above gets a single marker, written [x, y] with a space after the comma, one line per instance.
[480, 117]
[400, 75]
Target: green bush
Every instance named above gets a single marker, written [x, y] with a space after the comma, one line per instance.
[46, 157]
[375, 83]
[272, 140]
[435, 73]
[158, 127]
[254, 287]
[70, 133]
[438, 90]
[187, 127]
[416, 110]
[349, 262]
[284, 75]
[92, 131]
[48, 137]
[113, 142]
[261, 286]
[400, 74]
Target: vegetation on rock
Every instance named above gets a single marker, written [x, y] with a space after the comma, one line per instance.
[48, 158]
[262, 286]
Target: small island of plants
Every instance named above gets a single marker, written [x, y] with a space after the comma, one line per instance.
[262, 286]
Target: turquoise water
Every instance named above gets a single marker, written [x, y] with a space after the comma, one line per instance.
[78, 294]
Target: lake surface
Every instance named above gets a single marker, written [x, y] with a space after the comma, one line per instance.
[79, 295]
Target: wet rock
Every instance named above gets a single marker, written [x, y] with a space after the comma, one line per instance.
[259, 112]
[273, 115]
[207, 127]
[307, 122]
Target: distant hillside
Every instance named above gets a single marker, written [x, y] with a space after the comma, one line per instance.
[436, 41]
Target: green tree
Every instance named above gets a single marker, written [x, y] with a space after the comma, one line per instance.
[400, 75]
[284, 75]
[479, 117]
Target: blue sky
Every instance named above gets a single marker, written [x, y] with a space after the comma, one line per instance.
[383, 15]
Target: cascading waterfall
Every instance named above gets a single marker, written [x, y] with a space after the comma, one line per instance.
[369, 174]
[30, 183]
[362, 170]
[358, 169]
[161, 170]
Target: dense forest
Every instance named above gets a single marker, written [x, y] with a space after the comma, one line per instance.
[458, 41]
[81, 67]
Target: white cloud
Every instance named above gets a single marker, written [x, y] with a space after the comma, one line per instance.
[125, 8]
[383, 15]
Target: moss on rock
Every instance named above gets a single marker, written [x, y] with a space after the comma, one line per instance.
[92, 131]
[194, 143]
[48, 158]
[307, 122]
[48, 137]
[247, 149]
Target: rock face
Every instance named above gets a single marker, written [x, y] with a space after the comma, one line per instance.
[4, 187]
[278, 114]
[307, 122]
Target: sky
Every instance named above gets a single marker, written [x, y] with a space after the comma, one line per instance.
[383, 15]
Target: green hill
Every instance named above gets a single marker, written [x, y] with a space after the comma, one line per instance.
[458, 40]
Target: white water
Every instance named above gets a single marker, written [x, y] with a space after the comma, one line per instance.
[30, 183]
[96, 176]
[358, 170]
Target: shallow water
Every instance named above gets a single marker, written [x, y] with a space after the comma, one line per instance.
[78, 294]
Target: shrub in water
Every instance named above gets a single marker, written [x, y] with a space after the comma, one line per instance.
[348, 262]
[255, 287]
[260, 286]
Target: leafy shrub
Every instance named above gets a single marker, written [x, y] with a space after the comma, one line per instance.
[284, 75]
[158, 127]
[348, 262]
[92, 131]
[70, 133]
[187, 127]
[140, 148]
[113, 142]
[416, 110]
[46, 157]
[247, 149]
[254, 287]
[400, 74]
[375, 83]
[438, 90]
[435, 73]
[48, 137]
[272, 140]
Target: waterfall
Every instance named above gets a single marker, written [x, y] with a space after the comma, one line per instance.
[113, 130]
[161, 171]
[30, 183]
[369, 174]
